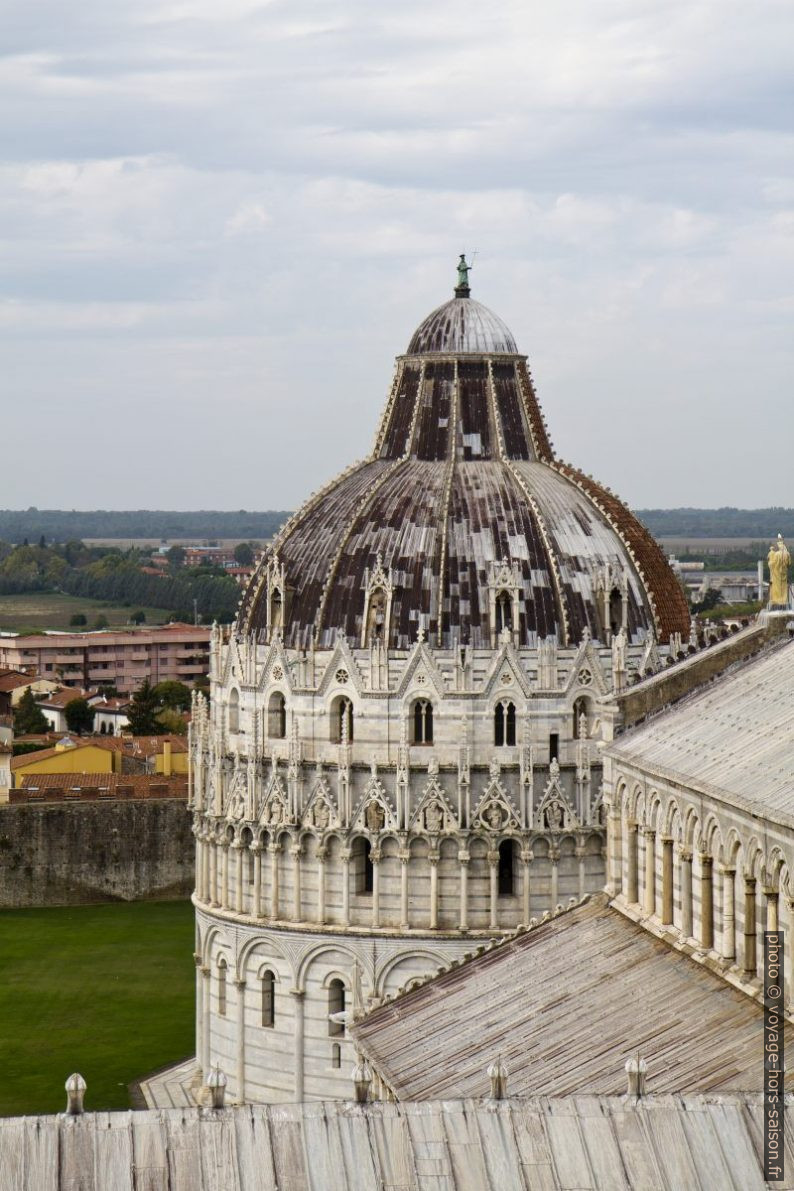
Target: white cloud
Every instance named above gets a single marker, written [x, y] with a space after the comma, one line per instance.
[230, 218]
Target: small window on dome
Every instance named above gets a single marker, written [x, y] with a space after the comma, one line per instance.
[504, 611]
[341, 720]
[276, 610]
[581, 714]
[277, 716]
[504, 723]
[615, 611]
[234, 711]
[422, 722]
[376, 616]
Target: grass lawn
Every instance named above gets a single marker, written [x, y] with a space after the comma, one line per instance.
[35, 611]
[104, 990]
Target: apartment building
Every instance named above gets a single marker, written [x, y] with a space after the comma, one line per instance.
[123, 659]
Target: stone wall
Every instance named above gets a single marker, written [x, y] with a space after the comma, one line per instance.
[666, 688]
[55, 854]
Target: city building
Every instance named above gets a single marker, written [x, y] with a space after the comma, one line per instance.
[53, 705]
[165, 755]
[110, 716]
[88, 787]
[402, 749]
[121, 659]
[14, 683]
[215, 556]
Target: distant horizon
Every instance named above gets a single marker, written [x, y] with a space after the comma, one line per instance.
[263, 512]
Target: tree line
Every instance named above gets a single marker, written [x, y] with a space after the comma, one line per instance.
[60, 524]
[107, 573]
[719, 523]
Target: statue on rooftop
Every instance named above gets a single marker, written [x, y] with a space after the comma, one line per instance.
[463, 272]
[778, 561]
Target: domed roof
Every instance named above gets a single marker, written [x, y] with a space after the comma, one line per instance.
[461, 500]
[462, 326]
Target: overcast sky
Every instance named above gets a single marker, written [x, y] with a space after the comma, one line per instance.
[220, 220]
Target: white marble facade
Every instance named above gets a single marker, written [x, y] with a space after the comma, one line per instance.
[316, 850]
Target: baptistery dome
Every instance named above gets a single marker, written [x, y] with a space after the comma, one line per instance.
[461, 479]
[462, 327]
[401, 751]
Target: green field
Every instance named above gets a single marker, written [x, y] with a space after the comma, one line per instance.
[104, 990]
[36, 611]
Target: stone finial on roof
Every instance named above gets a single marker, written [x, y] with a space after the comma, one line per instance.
[75, 1092]
[362, 1079]
[497, 1073]
[636, 1071]
[216, 1082]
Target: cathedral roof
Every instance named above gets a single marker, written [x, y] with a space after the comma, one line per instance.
[463, 497]
[434, 1042]
[664, 1142]
[733, 740]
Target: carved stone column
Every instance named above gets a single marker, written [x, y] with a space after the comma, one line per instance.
[205, 869]
[632, 863]
[580, 855]
[322, 853]
[205, 1057]
[240, 986]
[274, 850]
[238, 876]
[772, 915]
[685, 857]
[199, 866]
[199, 1007]
[433, 858]
[706, 901]
[225, 875]
[404, 924]
[527, 858]
[750, 963]
[789, 955]
[729, 913]
[298, 996]
[374, 857]
[346, 888]
[256, 852]
[493, 874]
[297, 909]
[650, 871]
[614, 850]
[667, 880]
[214, 899]
[463, 862]
[554, 857]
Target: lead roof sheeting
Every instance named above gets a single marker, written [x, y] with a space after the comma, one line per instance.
[462, 326]
[565, 1005]
[669, 1143]
[736, 737]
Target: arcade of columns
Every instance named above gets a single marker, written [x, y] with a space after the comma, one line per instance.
[697, 871]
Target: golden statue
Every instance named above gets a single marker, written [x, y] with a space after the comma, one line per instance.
[778, 561]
